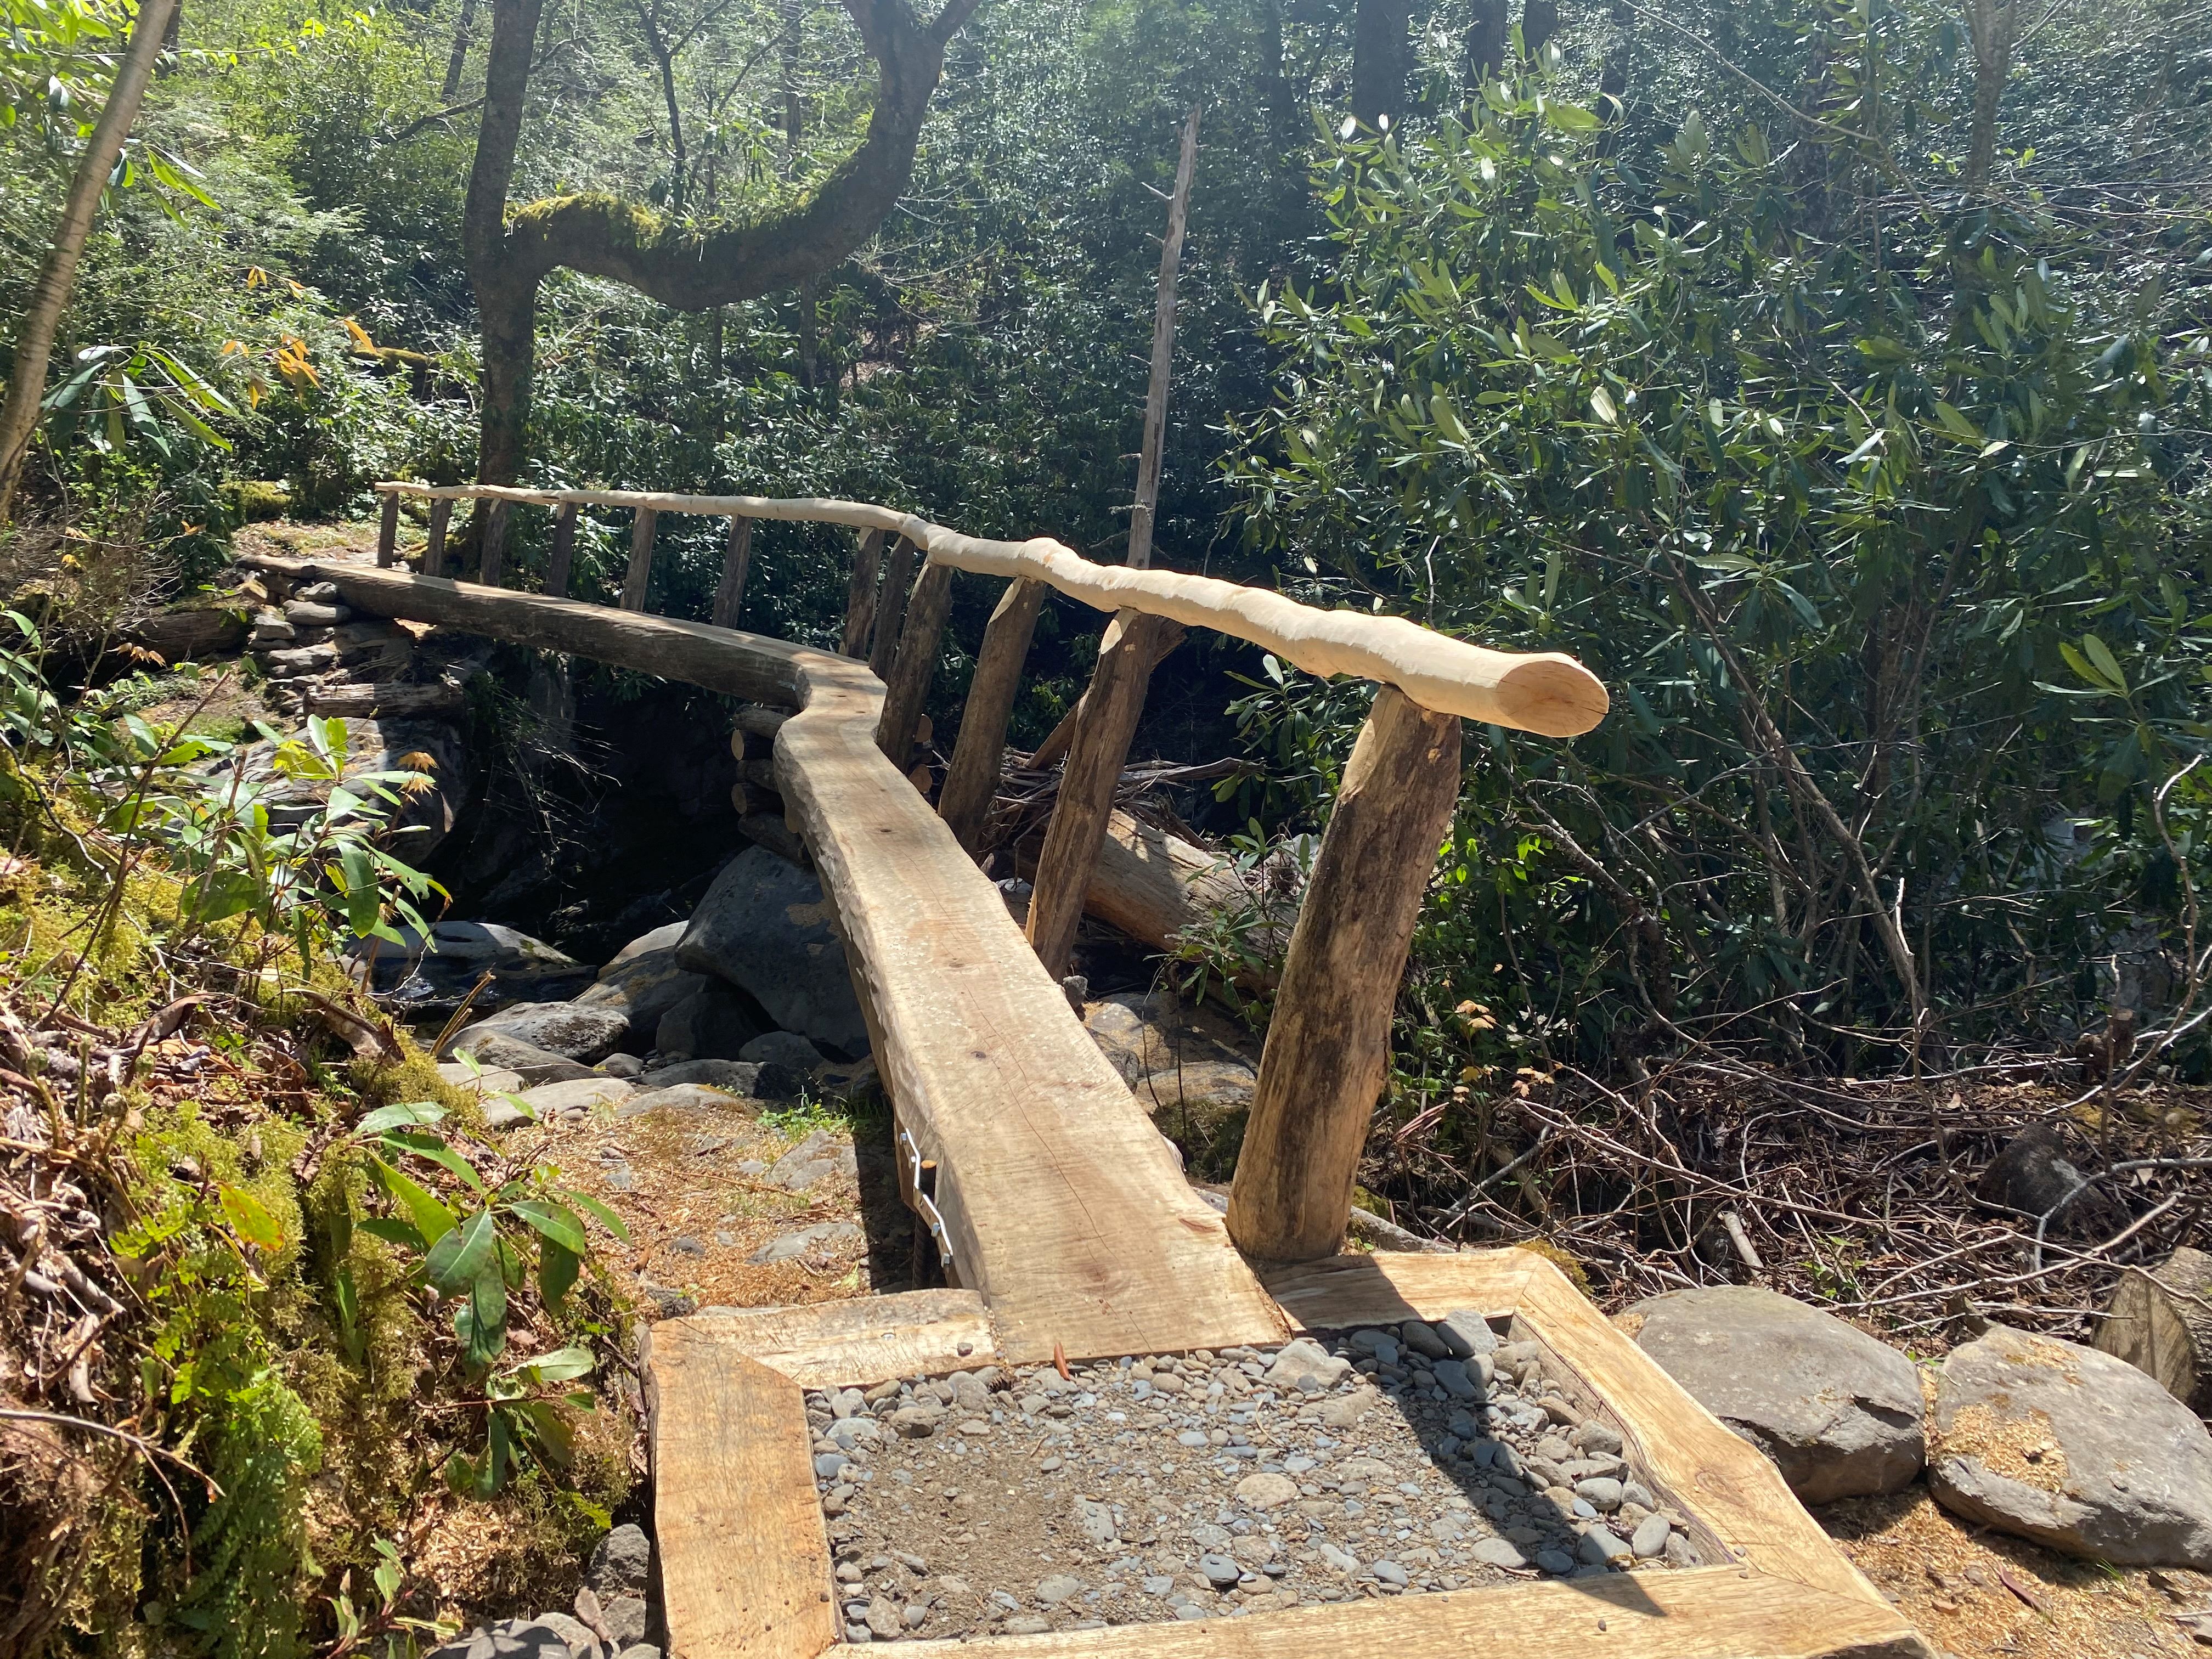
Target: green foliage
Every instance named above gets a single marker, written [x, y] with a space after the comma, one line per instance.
[1825, 510]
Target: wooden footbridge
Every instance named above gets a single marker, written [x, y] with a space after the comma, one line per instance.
[1068, 1226]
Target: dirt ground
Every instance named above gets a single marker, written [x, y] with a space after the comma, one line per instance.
[1974, 1593]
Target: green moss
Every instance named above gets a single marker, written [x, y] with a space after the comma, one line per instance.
[253, 500]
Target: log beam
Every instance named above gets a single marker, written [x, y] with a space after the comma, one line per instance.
[1329, 1040]
[972, 782]
[915, 666]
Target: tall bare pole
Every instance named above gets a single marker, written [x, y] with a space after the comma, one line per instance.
[1156, 394]
[1105, 720]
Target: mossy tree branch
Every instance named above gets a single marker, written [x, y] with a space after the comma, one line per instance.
[684, 266]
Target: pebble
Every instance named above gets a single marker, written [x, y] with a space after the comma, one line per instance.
[1391, 1573]
[1601, 1548]
[1052, 1591]
[1650, 1537]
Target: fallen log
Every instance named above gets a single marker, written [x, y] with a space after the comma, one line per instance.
[1149, 883]
[2160, 1323]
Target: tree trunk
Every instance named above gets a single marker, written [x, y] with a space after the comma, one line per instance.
[1328, 1044]
[1164, 315]
[1382, 56]
[456, 62]
[42, 313]
[1540, 22]
[1487, 42]
[683, 267]
[2160, 1323]
[1991, 25]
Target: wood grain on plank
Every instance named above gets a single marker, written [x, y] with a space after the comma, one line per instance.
[1543, 692]
[1068, 1212]
[745, 1564]
[1390, 1288]
[858, 1342]
[1707, 1614]
[1730, 1486]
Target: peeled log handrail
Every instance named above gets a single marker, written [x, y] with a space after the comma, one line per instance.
[1068, 1212]
[1544, 692]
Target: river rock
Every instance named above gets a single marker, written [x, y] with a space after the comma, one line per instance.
[443, 968]
[2074, 1448]
[821, 1156]
[372, 746]
[643, 988]
[621, 1564]
[677, 1097]
[765, 927]
[510, 1638]
[714, 1022]
[733, 1076]
[495, 1049]
[576, 1094]
[571, 1029]
[1839, 1413]
[784, 1048]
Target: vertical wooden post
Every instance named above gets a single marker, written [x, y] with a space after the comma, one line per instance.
[971, 784]
[737, 559]
[860, 598]
[433, 549]
[641, 560]
[564, 550]
[387, 530]
[1329, 1041]
[908, 688]
[494, 543]
[1111, 707]
[1056, 741]
[891, 609]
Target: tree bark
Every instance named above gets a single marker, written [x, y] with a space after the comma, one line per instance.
[1540, 22]
[908, 688]
[684, 267]
[1992, 26]
[860, 596]
[1381, 57]
[1488, 42]
[457, 61]
[1328, 1044]
[50, 295]
[891, 608]
[1163, 370]
[737, 559]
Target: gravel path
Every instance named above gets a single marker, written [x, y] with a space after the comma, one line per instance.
[1371, 1463]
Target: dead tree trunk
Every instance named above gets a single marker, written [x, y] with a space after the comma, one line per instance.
[1329, 1043]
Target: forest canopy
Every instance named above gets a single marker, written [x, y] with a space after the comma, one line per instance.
[1832, 378]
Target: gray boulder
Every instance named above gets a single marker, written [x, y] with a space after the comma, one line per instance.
[510, 1638]
[678, 1097]
[1839, 1413]
[193, 630]
[785, 1049]
[442, 969]
[573, 1030]
[734, 1077]
[642, 988]
[660, 938]
[714, 1022]
[495, 1049]
[765, 927]
[2074, 1448]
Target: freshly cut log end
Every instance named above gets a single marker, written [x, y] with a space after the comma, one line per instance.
[1553, 695]
[2160, 1323]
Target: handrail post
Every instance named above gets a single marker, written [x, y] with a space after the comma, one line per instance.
[971, 783]
[640, 559]
[891, 609]
[387, 529]
[433, 549]
[494, 543]
[1111, 709]
[737, 559]
[1328, 1044]
[564, 550]
[860, 596]
[908, 688]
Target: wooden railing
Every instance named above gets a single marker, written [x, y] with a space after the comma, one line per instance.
[1327, 1045]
